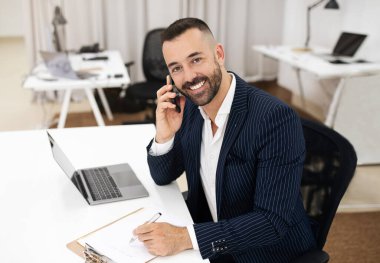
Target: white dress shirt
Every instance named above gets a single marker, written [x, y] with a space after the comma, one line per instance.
[210, 150]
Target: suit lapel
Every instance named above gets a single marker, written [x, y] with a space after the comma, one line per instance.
[235, 121]
[194, 147]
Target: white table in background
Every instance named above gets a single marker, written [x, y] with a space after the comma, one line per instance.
[307, 61]
[41, 210]
[111, 73]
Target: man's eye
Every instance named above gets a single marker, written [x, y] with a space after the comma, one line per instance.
[197, 60]
[176, 69]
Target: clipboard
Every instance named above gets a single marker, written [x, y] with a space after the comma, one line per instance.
[84, 252]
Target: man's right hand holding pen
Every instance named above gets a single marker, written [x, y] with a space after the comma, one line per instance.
[163, 239]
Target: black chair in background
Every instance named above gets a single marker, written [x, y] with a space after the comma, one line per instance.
[155, 72]
[329, 166]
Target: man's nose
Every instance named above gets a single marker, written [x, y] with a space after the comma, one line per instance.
[189, 75]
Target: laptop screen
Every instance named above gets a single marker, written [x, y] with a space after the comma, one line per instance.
[66, 165]
[61, 158]
[58, 64]
[348, 44]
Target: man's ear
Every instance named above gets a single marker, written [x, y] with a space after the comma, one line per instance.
[219, 54]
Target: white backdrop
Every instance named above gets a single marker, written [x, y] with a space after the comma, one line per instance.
[123, 24]
[10, 18]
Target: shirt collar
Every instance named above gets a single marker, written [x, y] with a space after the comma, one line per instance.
[225, 108]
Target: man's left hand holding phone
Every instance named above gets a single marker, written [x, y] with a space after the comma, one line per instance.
[169, 111]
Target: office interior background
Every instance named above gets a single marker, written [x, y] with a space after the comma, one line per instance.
[25, 28]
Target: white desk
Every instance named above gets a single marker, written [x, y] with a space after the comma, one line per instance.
[106, 70]
[306, 61]
[41, 210]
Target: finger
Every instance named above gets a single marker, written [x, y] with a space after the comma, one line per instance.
[145, 237]
[143, 229]
[148, 244]
[152, 251]
[165, 105]
[163, 90]
[166, 97]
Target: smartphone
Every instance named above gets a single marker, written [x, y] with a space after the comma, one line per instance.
[176, 100]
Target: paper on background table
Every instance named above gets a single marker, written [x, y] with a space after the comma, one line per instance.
[113, 240]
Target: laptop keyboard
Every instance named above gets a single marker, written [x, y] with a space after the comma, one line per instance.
[101, 184]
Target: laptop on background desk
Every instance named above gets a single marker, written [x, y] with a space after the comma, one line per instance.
[99, 185]
[58, 65]
[345, 49]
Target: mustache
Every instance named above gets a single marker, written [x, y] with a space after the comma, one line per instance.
[195, 81]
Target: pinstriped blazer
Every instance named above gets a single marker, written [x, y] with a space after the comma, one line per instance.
[259, 207]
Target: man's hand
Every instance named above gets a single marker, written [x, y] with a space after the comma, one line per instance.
[168, 120]
[163, 239]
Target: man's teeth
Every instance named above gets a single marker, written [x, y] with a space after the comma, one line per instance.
[195, 87]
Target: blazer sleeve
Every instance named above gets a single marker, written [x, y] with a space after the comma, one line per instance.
[167, 167]
[278, 177]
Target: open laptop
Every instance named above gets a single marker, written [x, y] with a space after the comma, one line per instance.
[58, 64]
[345, 49]
[100, 185]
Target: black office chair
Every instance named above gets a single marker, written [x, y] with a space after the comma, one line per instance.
[329, 166]
[155, 72]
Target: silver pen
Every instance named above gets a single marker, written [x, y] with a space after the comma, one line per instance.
[152, 220]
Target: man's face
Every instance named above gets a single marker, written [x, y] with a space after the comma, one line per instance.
[194, 66]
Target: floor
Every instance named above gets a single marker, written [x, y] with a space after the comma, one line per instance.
[20, 109]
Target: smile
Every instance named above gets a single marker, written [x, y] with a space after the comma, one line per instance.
[199, 85]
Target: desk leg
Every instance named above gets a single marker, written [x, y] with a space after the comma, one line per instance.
[94, 107]
[260, 70]
[105, 104]
[64, 109]
[331, 114]
[300, 86]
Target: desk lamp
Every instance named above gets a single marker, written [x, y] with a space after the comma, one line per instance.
[59, 35]
[331, 4]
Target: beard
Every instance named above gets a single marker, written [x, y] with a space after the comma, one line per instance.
[206, 96]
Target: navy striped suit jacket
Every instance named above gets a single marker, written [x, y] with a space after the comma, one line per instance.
[260, 213]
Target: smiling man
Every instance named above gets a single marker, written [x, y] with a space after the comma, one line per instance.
[242, 151]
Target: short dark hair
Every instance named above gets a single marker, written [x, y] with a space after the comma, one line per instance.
[181, 25]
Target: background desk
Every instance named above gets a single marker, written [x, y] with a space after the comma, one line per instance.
[106, 70]
[306, 61]
[358, 118]
[41, 210]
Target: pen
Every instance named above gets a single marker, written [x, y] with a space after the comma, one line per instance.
[152, 220]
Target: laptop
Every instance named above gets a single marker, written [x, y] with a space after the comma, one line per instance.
[99, 185]
[58, 64]
[345, 48]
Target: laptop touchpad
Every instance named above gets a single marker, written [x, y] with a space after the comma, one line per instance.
[123, 175]
[125, 179]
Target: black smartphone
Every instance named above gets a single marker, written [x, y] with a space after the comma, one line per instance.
[176, 100]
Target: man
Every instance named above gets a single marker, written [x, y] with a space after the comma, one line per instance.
[242, 151]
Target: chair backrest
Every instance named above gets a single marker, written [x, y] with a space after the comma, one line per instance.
[154, 65]
[329, 166]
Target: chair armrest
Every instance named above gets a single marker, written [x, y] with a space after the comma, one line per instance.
[313, 256]
[128, 65]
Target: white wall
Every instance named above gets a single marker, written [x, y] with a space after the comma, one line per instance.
[11, 18]
[354, 16]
